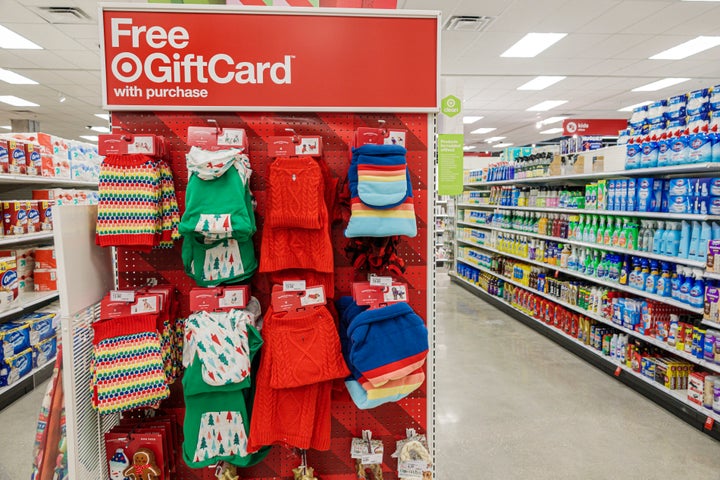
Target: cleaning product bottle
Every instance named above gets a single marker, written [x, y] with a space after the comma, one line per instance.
[644, 274]
[602, 267]
[663, 284]
[623, 238]
[591, 231]
[565, 256]
[632, 234]
[715, 228]
[542, 225]
[572, 262]
[686, 286]
[600, 233]
[676, 279]
[607, 235]
[694, 244]
[672, 240]
[634, 272]
[577, 234]
[625, 270]
[696, 295]
[685, 233]
[658, 243]
[615, 239]
[653, 279]
[648, 236]
[705, 237]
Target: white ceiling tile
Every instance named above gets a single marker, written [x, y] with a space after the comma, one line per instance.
[46, 35]
[80, 31]
[622, 16]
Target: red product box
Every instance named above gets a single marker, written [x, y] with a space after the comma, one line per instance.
[47, 165]
[4, 157]
[45, 211]
[45, 258]
[33, 216]
[14, 217]
[45, 280]
[33, 159]
[17, 159]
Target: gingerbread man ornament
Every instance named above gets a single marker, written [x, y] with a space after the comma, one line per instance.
[143, 466]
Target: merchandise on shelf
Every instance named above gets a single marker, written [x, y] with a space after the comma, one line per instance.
[48, 156]
[8, 281]
[680, 130]
[35, 268]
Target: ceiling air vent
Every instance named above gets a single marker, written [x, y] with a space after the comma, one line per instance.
[467, 23]
[63, 15]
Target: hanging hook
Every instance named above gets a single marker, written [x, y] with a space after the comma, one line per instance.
[383, 130]
[218, 130]
[296, 138]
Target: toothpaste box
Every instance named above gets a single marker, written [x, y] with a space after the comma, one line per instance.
[44, 352]
[681, 204]
[14, 338]
[16, 367]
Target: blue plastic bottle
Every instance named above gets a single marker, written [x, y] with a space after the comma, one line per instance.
[672, 240]
[659, 239]
[644, 274]
[685, 286]
[685, 232]
[652, 279]
[664, 288]
[675, 282]
[696, 296]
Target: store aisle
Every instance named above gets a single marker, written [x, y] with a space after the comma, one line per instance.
[19, 422]
[512, 404]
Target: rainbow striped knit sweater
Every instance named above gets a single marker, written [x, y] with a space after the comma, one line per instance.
[137, 205]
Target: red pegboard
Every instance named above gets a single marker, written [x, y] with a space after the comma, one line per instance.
[387, 422]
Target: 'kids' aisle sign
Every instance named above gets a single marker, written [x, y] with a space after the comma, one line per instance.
[225, 58]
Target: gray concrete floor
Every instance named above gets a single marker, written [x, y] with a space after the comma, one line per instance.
[511, 404]
[18, 423]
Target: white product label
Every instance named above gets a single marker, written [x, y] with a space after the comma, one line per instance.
[371, 454]
[412, 469]
[293, 285]
[142, 145]
[396, 294]
[231, 299]
[145, 305]
[122, 296]
[231, 136]
[313, 296]
[380, 281]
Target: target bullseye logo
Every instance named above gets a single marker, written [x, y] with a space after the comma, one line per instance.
[126, 67]
[571, 127]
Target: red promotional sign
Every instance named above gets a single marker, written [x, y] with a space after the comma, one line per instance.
[594, 126]
[245, 58]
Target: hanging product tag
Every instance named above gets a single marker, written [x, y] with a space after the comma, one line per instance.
[294, 145]
[143, 304]
[122, 295]
[367, 450]
[126, 143]
[219, 298]
[378, 281]
[293, 285]
[284, 301]
[214, 138]
[379, 296]
[379, 136]
[414, 461]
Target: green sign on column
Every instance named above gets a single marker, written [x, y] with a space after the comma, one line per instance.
[450, 164]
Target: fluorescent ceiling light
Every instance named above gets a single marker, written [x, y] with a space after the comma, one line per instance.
[10, 39]
[532, 44]
[14, 78]
[469, 120]
[502, 145]
[541, 83]
[100, 129]
[469, 147]
[550, 121]
[687, 49]
[104, 116]
[494, 139]
[482, 130]
[6, 127]
[552, 131]
[17, 101]
[91, 138]
[660, 84]
[630, 108]
[546, 105]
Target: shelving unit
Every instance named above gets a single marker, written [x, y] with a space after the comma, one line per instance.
[697, 168]
[25, 239]
[38, 180]
[673, 400]
[27, 302]
[443, 217]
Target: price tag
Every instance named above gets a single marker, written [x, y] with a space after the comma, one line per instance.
[122, 295]
[617, 371]
[371, 459]
[709, 422]
[376, 281]
[412, 469]
[293, 285]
